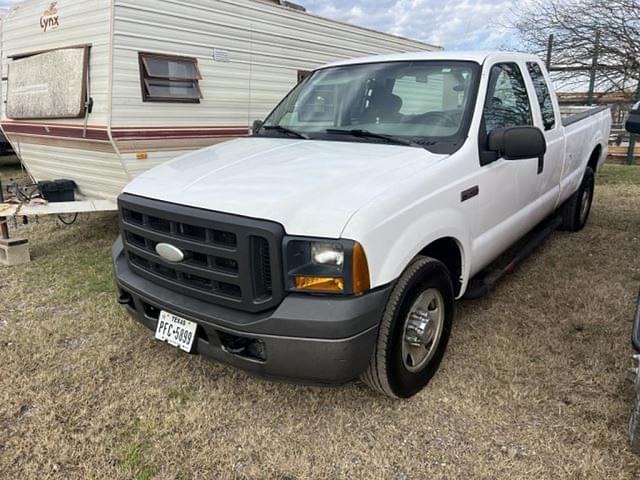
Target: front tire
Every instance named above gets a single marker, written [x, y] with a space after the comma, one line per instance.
[575, 213]
[414, 331]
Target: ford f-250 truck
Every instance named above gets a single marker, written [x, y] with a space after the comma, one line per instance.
[332, 243]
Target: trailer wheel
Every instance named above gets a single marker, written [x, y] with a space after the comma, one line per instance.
[634, 423]
[575, 213]
[414, 331]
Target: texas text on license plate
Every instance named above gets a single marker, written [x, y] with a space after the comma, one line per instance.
[176, 331]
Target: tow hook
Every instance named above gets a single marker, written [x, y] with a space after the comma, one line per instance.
[124, 299]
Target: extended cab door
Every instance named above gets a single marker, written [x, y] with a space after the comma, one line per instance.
[541, 188]
[500, 220]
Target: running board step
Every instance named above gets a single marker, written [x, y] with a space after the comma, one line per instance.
[482, 284]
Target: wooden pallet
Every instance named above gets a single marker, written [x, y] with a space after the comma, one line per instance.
[619, 154]
[616, 151]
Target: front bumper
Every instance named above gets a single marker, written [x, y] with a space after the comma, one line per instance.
[308, 339]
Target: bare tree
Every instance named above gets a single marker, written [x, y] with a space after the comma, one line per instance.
[575, 26]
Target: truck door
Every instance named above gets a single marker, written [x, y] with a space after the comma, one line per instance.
[501, 221]
[541, 188]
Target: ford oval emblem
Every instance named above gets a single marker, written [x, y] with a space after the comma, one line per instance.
[170, 253]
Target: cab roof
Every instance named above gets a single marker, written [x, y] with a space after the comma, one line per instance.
[478, 57]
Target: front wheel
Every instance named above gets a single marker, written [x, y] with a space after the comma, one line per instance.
[414, 331]
[575, 213]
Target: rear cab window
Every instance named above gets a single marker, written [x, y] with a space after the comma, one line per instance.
[543, 94]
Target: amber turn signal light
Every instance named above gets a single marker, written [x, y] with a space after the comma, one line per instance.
[320, 284]
[361, 282]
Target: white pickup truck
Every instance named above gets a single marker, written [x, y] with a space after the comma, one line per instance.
[332, 243]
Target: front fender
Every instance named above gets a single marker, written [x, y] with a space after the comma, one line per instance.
[391, 246]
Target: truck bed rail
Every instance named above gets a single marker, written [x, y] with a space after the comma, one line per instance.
[570, 120]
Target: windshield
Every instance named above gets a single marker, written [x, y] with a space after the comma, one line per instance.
[422, 103]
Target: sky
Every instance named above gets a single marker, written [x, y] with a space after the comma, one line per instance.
[464, 25]
[461, 25]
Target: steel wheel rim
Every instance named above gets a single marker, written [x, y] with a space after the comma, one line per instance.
[423, 327]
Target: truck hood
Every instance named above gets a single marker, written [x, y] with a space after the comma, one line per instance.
[310, 187]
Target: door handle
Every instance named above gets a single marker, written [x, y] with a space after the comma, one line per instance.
[540, 164]
[469, 193]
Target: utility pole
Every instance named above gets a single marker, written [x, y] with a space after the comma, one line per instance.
[594, 69]
[549, 52]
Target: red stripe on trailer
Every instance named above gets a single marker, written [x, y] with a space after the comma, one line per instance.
[62, 131]
[78, 132]
[179, 133]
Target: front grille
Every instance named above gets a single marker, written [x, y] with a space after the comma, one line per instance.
[229, 260]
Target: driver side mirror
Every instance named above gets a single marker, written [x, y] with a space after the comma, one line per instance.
[633, 122]
[257, 125]
[518, 143]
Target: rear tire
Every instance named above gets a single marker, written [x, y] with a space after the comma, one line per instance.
[575, 213]
[414, 331]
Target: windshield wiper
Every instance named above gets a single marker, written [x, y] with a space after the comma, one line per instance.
[288, 131]
[367, 134]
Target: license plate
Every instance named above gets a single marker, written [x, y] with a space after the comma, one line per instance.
[176, 331]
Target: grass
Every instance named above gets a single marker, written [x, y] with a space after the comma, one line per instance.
[132, 457]
[619, 175]
[534, 384]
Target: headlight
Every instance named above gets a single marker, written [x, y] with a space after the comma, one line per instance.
[327, 254]
[326, 266]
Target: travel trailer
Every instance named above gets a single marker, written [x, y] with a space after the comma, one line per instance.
[99, 91]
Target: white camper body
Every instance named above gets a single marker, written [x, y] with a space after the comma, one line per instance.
[95, 90]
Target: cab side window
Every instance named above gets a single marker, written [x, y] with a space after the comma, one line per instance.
[507, 103]
[543, 94]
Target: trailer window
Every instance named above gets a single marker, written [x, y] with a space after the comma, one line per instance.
[170, 79]
[49, 85]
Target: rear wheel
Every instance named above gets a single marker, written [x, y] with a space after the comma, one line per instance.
[414, 331]
[575, 213]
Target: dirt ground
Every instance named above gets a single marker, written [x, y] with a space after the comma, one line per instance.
[534, 385]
